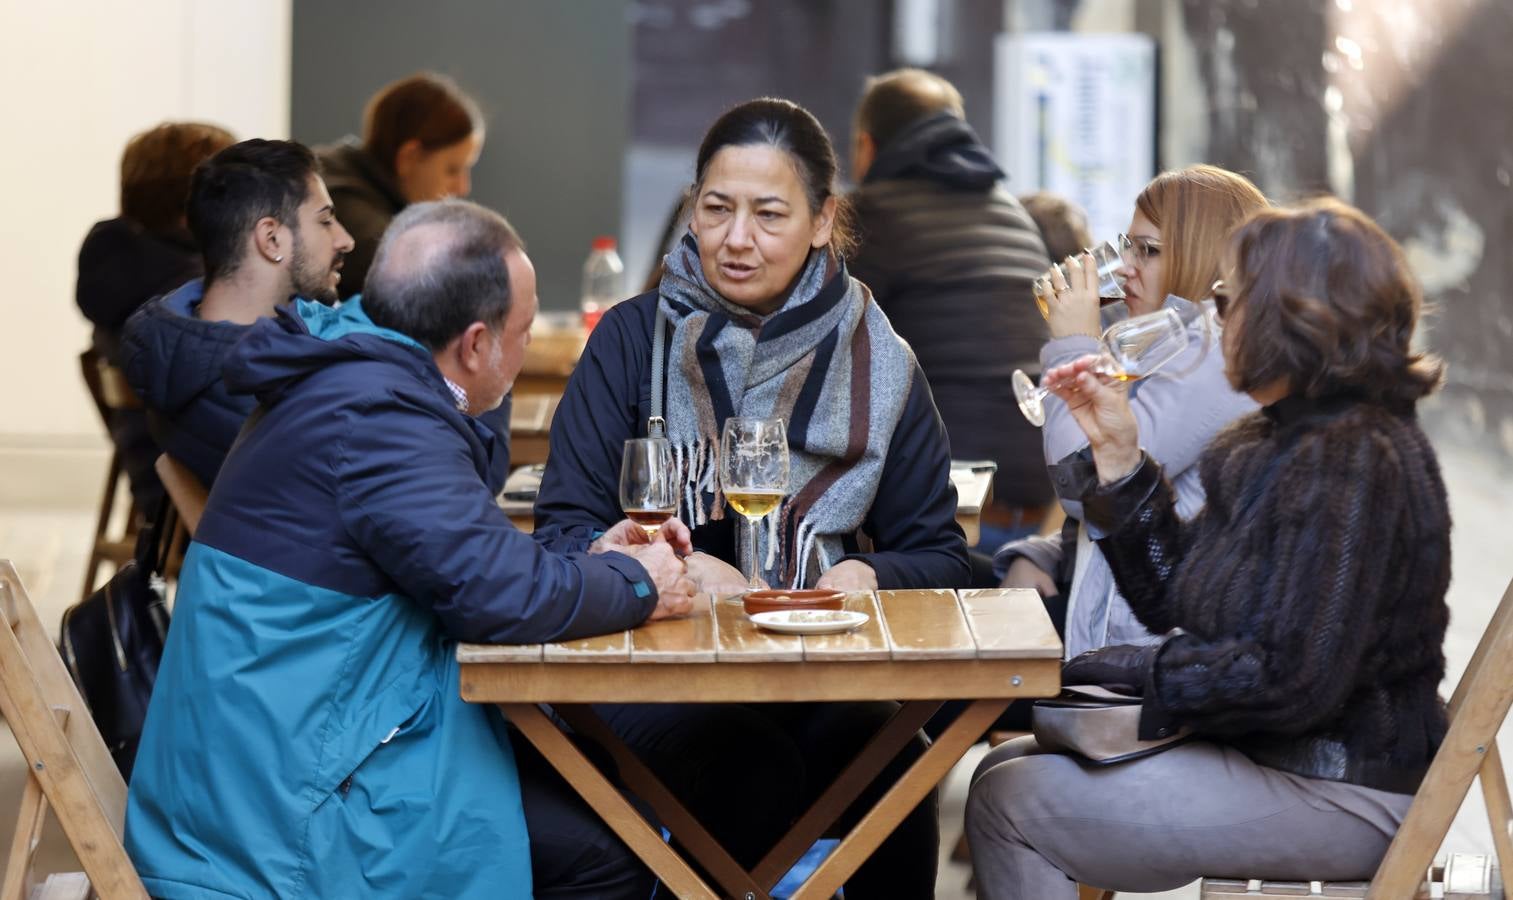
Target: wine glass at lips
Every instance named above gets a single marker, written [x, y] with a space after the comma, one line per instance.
[754, 475]
[1129, 350]
[1109, 256]
[648, 483]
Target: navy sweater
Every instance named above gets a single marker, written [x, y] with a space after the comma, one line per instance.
[916, 542]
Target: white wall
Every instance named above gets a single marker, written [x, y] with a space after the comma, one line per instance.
[80, 77]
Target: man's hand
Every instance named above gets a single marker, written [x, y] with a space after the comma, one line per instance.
[849, 575]
[1025, 574]
[675, 590]
[716, 576]
[626, 533]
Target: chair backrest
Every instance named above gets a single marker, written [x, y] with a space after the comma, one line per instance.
[89, 367]
[66, 758]
[1477, 709]
[107, 384]
[184, 489]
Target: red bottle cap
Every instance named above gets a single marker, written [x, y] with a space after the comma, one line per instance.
[604, 243]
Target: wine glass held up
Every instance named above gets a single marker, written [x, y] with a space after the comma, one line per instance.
[1129, 350]
[1109, 257]
[754, 475]
[648, 483]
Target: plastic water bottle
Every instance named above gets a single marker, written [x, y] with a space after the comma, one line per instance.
[603, 281]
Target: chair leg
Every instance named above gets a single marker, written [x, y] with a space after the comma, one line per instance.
[18, 868]
[102, 525]
[1494, 788]
[1087, 892]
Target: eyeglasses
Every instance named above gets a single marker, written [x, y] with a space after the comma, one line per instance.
[1138, 251]
[1219, 293]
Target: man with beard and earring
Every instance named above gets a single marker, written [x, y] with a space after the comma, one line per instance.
[265, 225]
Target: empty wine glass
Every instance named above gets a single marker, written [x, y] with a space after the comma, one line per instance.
[648, 483]
[1109, 256]
[754, 474]
[1130, 350]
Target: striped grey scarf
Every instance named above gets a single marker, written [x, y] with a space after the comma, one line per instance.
[827, 362]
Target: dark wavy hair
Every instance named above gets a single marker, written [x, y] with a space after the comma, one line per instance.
[793, 129]
[1326, 301]
[243, 183]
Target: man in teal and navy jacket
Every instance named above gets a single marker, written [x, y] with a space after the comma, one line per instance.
[306, 737]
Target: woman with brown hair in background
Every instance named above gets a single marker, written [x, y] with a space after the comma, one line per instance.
[421, 138]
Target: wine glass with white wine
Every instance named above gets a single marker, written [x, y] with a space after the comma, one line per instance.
[754, 474]
[648, 483]
[1130, 350]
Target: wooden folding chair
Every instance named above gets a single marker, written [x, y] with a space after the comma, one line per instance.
[184, 489]
[110, 392]
[1477, 710]
[70, 769]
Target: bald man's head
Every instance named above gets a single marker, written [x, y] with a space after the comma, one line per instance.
[440, 267]
[895, 100]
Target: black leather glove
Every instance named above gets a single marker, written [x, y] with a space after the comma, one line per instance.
[1122, 667]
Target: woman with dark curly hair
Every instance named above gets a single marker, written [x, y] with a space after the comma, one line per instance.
[1303, 610]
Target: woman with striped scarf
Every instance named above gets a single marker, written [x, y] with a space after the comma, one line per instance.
[761, 318]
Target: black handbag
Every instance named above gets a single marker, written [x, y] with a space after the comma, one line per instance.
[113, 640]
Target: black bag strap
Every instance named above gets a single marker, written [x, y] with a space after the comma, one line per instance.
[656, 425]
[155, 542]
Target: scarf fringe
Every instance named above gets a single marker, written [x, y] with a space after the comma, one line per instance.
[804, 544]
[771, 526]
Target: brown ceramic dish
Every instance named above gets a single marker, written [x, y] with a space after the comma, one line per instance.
[777, 599]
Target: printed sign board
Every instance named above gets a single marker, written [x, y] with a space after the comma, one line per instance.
[1076, 114]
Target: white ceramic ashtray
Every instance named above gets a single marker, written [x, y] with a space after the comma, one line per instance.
[810, 621]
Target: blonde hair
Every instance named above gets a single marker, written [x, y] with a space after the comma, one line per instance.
[1196, 209]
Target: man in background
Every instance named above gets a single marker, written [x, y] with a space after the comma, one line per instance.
[950, 257]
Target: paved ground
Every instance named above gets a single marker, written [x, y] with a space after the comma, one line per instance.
[48, 548]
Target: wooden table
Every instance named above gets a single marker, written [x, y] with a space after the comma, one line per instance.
[531, 427]
[974, 488]
[919, 647]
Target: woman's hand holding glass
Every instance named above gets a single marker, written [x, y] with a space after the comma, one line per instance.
[1132, 349]
[1071, 305]
[1102, 409]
